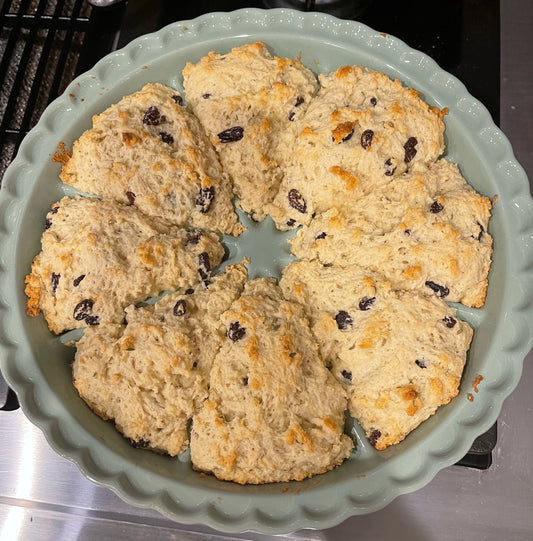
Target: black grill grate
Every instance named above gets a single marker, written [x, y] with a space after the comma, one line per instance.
[44, 44]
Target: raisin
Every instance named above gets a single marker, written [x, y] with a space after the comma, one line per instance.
[245, 381]
[206, 96]
[195, 364]
[366, 303]
[291, 222]
[83, 309]
[189, 291]
[410, 150]
[421, 363]
[299, 101]
[347, 375]
[76, 281]
[166, 137]
[139, 444]
[203, 261]
[54, 279]
[236, 133]
[374, 437]
[373, 101]
[291, 116]
[389, 168]
[235, 331]
[131, 197]
[204, 277]
[441, 291]
[481, 232]
[180, 308]
[48, 223]
[321, 235]
[343, 319]
[178, 99]
[204, 198]
[436, 207]
[92, 320]
[366, 139]
[296, 201]
[449, 321]
[152, 116]
[193, 237]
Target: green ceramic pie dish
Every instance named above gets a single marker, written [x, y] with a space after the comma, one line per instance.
[37, 364]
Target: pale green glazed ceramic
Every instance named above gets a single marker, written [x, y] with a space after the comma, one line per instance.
[36, 364]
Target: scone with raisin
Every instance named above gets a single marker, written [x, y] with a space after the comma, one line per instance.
[149, 151]
[248, 102]
[399, 355]
[360, 130]
[274, 411]
[151, 374]
[427, 230]
[98, 257]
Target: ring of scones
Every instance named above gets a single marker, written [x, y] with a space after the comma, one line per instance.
[255, 377]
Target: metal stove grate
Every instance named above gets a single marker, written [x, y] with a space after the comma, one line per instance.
[44, 44]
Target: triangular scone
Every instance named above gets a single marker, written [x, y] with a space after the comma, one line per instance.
[426, 230]
[361, 129]
[248, 102]
[400, 355]
[151, 374]
[274, 412]
[97, 257]
[149, 151]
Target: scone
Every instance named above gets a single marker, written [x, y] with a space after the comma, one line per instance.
[360, 130]
[400, 355]
[98, 257]
[274, 412]
[427, 230]
[150, 375]
[150, 152]
[248, 102]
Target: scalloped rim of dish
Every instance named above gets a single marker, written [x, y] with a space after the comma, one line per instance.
[208, 506]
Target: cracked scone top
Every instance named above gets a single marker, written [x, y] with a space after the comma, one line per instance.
[98, 257]
[426, 230]
[400, 355]
[274, 411]
[361, 129]
[248, 102]
[151, 152]
[150, 375]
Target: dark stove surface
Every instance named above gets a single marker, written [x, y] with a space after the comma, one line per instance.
[45, 43]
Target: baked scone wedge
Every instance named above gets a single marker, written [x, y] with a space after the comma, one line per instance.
[361, 129]
[399, 355]
[149, 151]
[151, 374]
[274, 411]
[97, 257]
[426, 230]
[248, 102]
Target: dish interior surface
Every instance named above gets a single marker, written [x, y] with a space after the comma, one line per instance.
[37, 364]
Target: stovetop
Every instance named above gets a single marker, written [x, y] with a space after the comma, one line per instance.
[43, 496]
